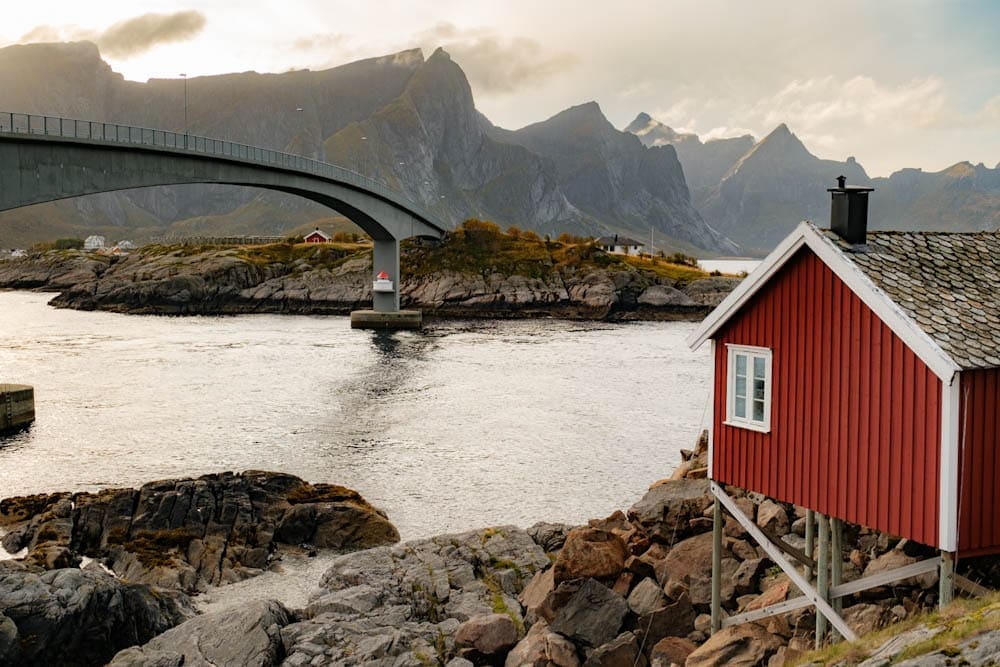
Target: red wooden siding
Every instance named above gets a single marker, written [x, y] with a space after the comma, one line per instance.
[855, 415]
[979, 463]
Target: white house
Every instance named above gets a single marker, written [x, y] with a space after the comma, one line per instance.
[93, 243]
[126, 245]
[619, 245]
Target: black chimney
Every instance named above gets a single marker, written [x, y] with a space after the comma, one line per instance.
[849, 211]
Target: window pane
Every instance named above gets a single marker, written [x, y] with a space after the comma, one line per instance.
[758, 390]
[741, 364]
[758, 411]
[740, 407]
[741, 387]
[758, 367]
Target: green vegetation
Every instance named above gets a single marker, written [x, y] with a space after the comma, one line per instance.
[68, 244]
[960, 620]
[478, 247]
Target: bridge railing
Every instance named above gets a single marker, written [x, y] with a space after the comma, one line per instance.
[70, 128]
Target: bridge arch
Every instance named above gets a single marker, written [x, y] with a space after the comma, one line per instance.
[43, 159]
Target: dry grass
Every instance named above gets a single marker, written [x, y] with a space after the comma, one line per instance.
[962, 619]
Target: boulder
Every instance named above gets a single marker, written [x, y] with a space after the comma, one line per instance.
[896, 558]
[666, 510]
[745, 645]
[673, 620]
[590, 552]
[536, 592]
[79, 617]
[484, 636]
[772, 517]
[688, 567]
[542, 647]
[246, 635]
[622, 651]
[864, 618]
[549, 536]
[671, 651]
[405, 604]
[592, 616]
[646, 597]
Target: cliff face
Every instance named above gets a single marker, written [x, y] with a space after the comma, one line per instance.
[611, 176]
[400, 119]
[704, 163]
[772, 188]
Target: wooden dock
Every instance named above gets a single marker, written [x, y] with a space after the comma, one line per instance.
[17, 407]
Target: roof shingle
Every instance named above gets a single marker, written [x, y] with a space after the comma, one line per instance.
[946, 282]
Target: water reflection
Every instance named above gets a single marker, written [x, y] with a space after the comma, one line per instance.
[462, 424]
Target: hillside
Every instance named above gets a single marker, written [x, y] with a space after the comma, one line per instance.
[754, 193]
[400, 118]
[773, 187]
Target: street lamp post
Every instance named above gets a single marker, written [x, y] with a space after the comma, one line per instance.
[184, 76]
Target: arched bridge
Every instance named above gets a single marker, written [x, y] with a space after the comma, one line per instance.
[43, 158]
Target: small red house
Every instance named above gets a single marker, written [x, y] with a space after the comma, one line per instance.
[317, 236]
[857, 374]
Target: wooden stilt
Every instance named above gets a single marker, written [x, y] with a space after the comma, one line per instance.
[717, 524]
[810, 540]
[946, 579]
[775, 554]
[822, 575]
[836, 565]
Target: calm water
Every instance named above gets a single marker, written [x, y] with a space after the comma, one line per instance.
[733, 265]
[462, 425]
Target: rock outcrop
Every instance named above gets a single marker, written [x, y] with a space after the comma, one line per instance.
[327, 280]
[78, 617]
[247, 636]
[191, 533]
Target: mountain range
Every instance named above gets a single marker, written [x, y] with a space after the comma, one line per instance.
[411, 122]
[755, 192]
[402, 119]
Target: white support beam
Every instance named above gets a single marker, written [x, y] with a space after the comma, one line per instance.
[822, 606]
[768, 611]
[883, 578]
[970, 587]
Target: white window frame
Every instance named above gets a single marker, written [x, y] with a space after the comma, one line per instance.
[748, 422]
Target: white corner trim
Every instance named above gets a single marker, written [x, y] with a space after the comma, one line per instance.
[711, 412]
[950, 453]
[847, 271]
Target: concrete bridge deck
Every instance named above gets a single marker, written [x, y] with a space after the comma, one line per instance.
[45, 158]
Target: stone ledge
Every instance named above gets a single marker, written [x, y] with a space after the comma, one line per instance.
[370, 319]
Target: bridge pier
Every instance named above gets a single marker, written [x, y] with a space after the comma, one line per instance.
[385, 312]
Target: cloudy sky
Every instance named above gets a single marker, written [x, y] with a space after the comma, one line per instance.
[895, 83]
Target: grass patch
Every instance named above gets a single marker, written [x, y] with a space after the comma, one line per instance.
[962, 619]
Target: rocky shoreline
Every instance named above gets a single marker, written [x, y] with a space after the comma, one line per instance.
[629, 589]
[332, 281]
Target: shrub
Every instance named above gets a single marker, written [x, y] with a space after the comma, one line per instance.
[683, 260]
[68, 244]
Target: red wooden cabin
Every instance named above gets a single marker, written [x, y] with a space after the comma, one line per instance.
[857, 374]
[317, 236]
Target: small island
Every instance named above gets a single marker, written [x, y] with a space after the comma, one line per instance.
[477, 271]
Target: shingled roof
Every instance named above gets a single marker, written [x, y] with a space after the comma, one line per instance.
[946, 282]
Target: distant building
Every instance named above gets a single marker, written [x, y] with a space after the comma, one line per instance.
[93, 243]
[125, 245]
[16, 253]
[317, 236]
[619, 245]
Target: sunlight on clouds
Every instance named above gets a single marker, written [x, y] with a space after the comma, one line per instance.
[129, 37]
